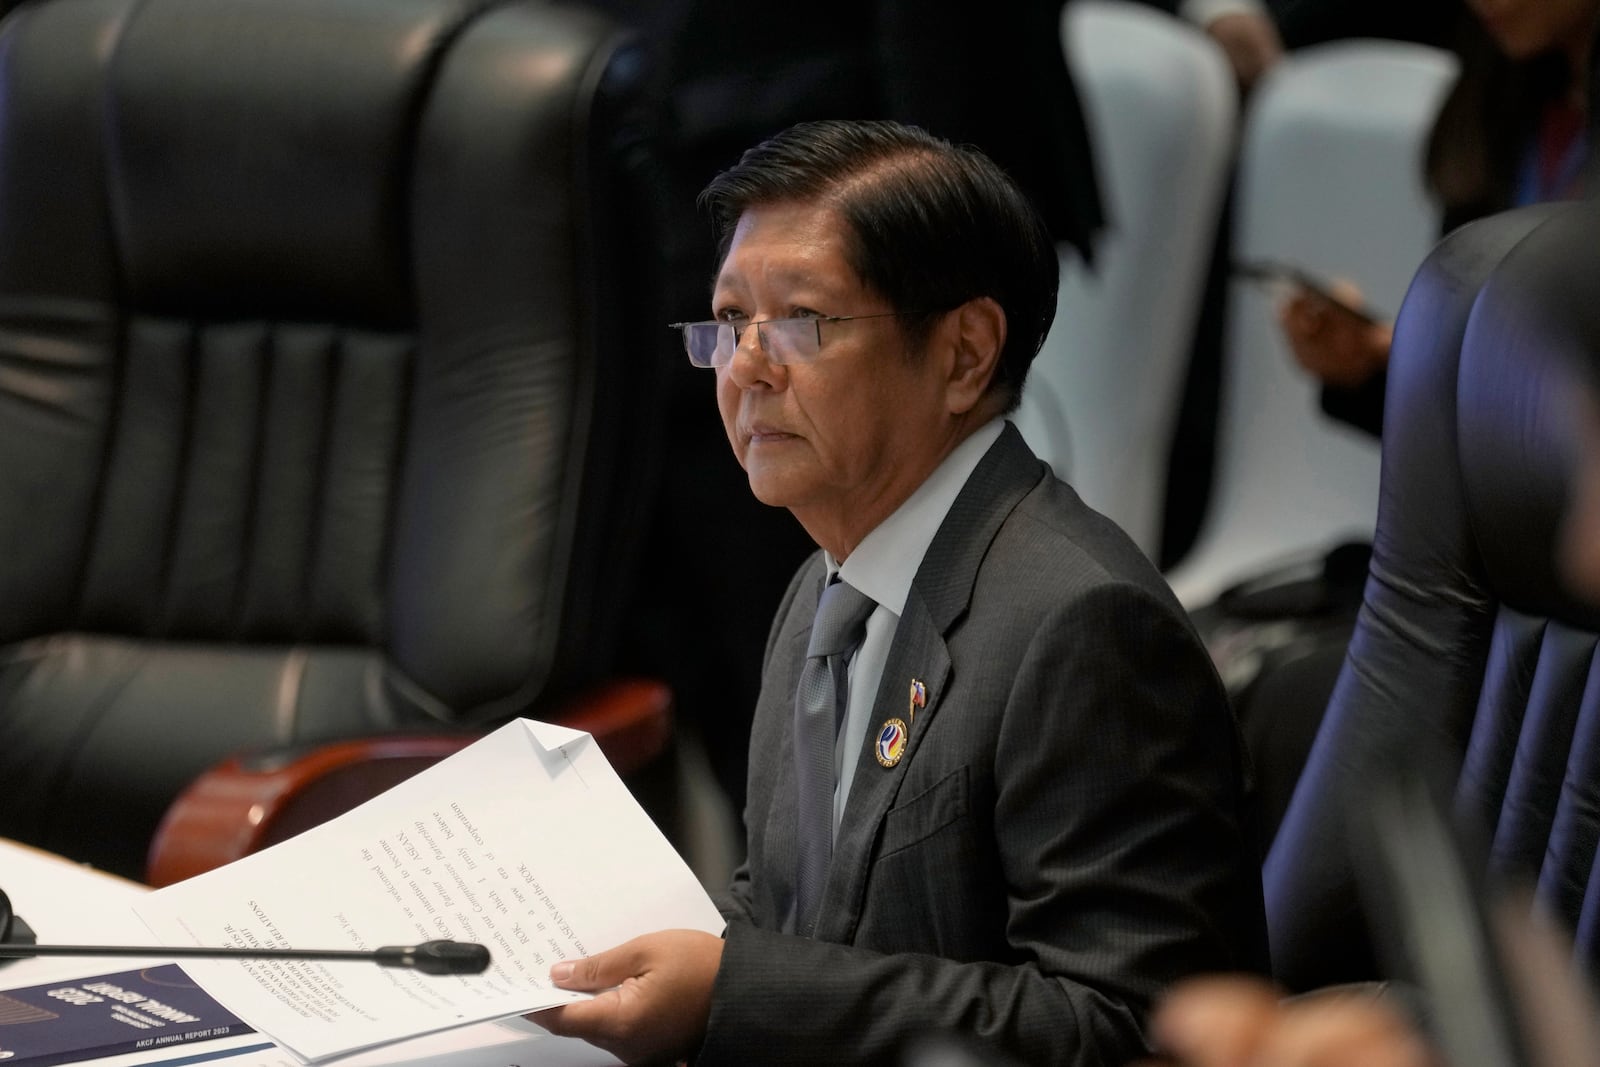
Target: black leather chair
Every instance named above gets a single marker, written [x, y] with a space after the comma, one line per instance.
[1468, 649]
[327, 353]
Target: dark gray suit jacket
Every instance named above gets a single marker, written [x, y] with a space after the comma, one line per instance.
[1065, 834]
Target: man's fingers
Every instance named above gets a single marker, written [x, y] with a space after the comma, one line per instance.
[552, 1019]
[1345, 291]
[1341, 1032]
[600, 971]
[652, 996]
[1216, 1022]
[585, 1018]
[1302, 315]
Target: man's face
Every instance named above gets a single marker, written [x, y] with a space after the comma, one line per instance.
[843, 440]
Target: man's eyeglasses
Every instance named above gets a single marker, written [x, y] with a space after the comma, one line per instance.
[796, 340]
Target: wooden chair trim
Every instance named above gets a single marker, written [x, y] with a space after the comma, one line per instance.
[250, 801]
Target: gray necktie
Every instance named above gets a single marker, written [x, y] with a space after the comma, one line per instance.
[819, 706]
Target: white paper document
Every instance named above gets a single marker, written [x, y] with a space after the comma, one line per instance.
[526, 842]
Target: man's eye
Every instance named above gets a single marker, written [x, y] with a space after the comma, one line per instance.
[806, 313]
[732, 318]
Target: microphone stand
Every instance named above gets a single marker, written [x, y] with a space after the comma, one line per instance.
[430, 957]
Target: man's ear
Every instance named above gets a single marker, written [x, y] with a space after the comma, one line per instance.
[977, 333]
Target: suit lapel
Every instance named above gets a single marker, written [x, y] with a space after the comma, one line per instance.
[939, 597]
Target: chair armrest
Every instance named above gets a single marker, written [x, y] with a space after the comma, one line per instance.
[250, 801]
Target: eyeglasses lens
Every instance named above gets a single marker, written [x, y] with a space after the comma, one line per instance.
[790, 340]
[705, 340]
[796, 340]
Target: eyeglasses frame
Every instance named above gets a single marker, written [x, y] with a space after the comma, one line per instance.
[738, 332]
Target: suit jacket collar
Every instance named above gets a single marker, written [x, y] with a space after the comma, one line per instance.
[939, 597]
[884, 564]
[1004, 475]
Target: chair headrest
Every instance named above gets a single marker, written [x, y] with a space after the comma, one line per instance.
[250, 168]
[1533, 330]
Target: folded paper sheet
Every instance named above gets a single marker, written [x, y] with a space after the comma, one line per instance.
[526, 841]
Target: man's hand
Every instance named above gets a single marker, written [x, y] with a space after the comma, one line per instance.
[1333, 343]
[653, 996]
[1238, 1022]
[1251, 43]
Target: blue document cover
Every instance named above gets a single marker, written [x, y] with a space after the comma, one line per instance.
[131, 1011]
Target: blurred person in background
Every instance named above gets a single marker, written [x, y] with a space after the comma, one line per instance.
[1513, 131]
[1254, 35]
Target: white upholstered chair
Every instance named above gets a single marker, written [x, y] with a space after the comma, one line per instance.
[1103, 394]
[1330, 179]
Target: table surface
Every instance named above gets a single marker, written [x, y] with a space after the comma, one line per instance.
[68, 903]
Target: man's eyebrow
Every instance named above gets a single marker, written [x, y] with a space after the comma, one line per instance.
[810, 282]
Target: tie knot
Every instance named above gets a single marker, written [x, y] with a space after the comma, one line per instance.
[841, 618]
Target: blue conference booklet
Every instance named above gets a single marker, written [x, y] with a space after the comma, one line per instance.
[85, 1018]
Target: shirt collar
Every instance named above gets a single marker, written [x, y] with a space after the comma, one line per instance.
[885, 562]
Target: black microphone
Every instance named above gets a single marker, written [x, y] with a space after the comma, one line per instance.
[430, 957]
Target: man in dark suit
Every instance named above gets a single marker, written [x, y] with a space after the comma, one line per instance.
[1030, 815]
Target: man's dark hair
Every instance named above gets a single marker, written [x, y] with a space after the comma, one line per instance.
[931, 224]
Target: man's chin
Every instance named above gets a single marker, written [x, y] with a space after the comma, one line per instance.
[772, 487]
[769, 496]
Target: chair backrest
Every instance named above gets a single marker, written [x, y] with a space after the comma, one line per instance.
[1330, 179]
[1103, 395]
[321, 404]
[1467, 644]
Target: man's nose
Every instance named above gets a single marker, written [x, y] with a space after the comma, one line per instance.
[750, 337]
[749, 364]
